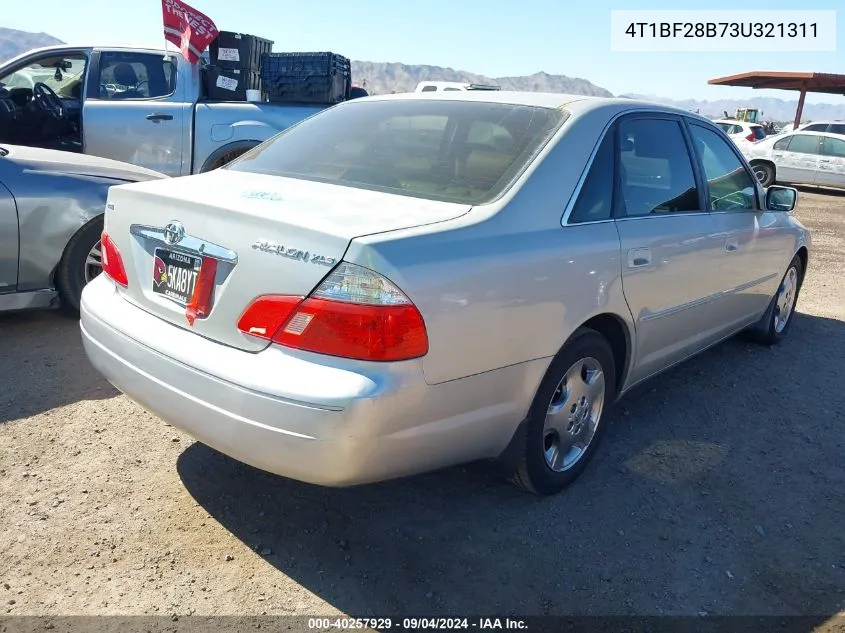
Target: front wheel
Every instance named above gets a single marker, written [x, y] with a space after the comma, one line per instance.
[564, 424]
[774, 325]
[81, 263]
[765, 173]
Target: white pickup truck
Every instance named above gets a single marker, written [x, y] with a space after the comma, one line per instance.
[141, 106]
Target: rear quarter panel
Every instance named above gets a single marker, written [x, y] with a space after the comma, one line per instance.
[506, 283]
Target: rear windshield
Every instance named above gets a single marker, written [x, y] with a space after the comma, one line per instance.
[454, 151]
[758, 131]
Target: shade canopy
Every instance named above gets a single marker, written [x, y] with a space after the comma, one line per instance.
[803, 82]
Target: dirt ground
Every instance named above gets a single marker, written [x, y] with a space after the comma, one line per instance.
[720, 489]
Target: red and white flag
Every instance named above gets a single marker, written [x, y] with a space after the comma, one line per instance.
[187, 28]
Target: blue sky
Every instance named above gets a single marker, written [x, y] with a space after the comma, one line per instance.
[494, 39]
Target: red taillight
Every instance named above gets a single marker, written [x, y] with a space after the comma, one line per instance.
[112, 261]
[751, 137]
[354, 330]
[355, 313]
[266, 315]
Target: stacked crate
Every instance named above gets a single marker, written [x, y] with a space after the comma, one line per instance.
[235, 65]
[324, 78]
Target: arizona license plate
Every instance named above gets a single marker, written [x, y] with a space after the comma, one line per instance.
[175, 274]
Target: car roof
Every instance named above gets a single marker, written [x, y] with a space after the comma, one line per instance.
[576, 103]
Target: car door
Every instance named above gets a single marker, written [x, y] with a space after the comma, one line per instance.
[8, 240]
[670, 250]
[753, 250]
[832, 162]
[135, 110]
[798, 162]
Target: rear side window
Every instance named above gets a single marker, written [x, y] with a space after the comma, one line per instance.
[758, 132]
[836, 128]
[816, 127]
[455, 151]
[655, 168]
[595, 201]
[804, 144]
[730, 186]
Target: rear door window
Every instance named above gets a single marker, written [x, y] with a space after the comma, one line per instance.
[656, 175]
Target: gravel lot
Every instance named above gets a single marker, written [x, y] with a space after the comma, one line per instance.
[720, 489]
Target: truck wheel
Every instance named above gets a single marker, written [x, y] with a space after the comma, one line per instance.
[80, 263]
[227, 154]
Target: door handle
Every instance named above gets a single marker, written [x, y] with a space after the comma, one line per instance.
[639, 257]
[156, 116]
[732, 245]
[824, 160]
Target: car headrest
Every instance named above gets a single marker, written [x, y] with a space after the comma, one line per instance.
[125, 75]
[650, 146]
[484, 167]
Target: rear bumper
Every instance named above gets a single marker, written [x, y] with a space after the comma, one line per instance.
[315, 419]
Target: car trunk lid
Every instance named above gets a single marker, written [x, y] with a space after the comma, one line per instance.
[242, 236]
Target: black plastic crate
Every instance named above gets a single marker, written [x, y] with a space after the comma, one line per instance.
[229, 84]
[238, 50]
[306, 77]
[296, 65]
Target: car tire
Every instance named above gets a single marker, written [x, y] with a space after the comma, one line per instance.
[773, 327]
[564, 427]
[765, 173]
[75, 268]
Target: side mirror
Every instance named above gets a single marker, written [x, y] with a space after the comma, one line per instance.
[781, 198]
[627, 145]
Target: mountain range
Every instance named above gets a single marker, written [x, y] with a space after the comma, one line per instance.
[387, 77]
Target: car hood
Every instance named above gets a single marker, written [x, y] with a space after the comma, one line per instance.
[48, 160]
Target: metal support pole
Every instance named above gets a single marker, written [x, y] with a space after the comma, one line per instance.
[800, 109]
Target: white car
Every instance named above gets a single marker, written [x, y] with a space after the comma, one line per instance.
[742, 133]
[799, 158]
[834, 127]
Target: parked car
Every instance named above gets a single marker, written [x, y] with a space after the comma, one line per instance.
[407, 282]
[741, 132]
[51, 218]
[800, 158]
[834, 127]
[141, 106]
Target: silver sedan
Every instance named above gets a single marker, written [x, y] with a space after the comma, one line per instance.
[406, 282]
[51, 217]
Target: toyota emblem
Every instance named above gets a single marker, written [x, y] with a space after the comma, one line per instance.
[174, 232]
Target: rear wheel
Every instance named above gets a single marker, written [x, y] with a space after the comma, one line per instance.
[80, 263]
[564, 425]
[765, 173]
